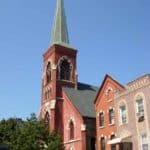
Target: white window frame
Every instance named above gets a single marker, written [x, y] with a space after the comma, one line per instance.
[102, 126]
[143, 142]
[120, 115]
[113, 122]
[139, 113]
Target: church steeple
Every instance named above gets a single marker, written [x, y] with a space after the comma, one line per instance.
[59, 70]
[60, 31]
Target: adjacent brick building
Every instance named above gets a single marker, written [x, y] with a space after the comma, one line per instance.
[133, 116]
[105, 113]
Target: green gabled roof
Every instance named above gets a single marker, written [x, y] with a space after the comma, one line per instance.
[83, 98]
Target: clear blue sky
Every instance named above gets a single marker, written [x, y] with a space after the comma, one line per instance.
[111, 36]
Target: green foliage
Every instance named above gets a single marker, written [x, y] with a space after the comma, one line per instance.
[28, 135]
[55, 142]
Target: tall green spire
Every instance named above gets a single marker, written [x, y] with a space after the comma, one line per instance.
[60, 31]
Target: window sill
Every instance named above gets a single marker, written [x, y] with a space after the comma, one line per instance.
[72, 141]
[109, 100]
[69, 81]
[101, 127]
[112, 124]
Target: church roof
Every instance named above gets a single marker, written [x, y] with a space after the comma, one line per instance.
[60, 31]
[83, 98]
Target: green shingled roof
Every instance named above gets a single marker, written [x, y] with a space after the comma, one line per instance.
[83, 99]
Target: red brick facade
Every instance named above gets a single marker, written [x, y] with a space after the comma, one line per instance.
[63, 115]
[104, 106]
[70, 113]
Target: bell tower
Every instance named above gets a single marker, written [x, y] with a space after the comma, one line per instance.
[59, 70]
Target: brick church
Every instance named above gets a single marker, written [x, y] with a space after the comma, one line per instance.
[66, 104]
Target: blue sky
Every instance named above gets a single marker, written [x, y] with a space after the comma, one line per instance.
[111, 36]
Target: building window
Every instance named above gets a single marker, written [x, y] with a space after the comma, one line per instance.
[71, 127]
[47, 120]
[102, 143]
[65, 70]
[144, 142]
[113, 146]
[140, 110]
[48, 72]
[101, 119]
[111, 116]
[123, 115]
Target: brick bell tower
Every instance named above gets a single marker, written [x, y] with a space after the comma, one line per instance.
[59, 70]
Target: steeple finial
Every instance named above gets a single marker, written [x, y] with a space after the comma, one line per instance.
[60, 32]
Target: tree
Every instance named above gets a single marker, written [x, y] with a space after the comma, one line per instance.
[28, 135]
[9, 129]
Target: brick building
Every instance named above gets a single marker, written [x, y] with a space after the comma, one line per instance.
[122, 115]
[105, 113]
[66, 105]
[133, 116]
[121, 120]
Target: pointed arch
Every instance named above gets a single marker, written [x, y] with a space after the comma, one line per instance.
[48, 72]
[47, 119]
[64, 69]
[71, 132]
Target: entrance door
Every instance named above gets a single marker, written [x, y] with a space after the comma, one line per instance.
[125, 146]
[92, 143]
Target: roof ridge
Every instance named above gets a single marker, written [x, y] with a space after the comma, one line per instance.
[88, 84]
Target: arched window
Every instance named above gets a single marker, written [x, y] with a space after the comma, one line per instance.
[65, 70]
[71, 126]
[47, 119]
[111, 116]
[123, 114]
[102, 142]
[140, 109]
[48, 72]
[101, 119]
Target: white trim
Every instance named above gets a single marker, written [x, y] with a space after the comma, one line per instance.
[54, 67]
[72, 141]
[83, 127]
[69, 120]
[119, 114]
[114, 141]
[120, 139]
[101, 127]
[52, 104]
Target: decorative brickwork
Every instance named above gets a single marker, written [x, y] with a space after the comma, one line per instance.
[104, 102]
